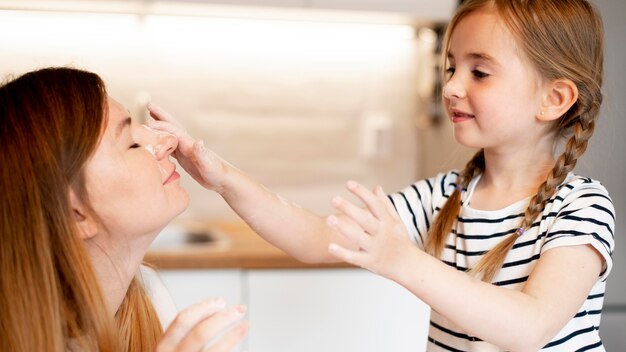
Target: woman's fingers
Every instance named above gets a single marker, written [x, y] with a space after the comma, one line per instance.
[206, 330]
[186, 320]
[230, 339]
[198, 325]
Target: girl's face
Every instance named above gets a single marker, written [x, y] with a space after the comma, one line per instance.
[492, 95]
[133, 187]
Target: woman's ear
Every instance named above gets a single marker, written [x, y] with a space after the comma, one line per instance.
[559, 96]
[86, 223]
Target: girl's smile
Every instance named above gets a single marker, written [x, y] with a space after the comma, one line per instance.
[458, 116]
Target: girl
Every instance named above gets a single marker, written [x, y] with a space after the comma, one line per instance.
[513, 251]
[81, 202]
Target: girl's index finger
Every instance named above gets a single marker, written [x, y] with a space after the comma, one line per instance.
[368, 198]
[159, 114]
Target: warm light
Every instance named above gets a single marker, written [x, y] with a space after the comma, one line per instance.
[193, 39]
[427, 35]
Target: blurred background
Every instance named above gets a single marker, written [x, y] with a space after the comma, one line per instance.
[303, 95]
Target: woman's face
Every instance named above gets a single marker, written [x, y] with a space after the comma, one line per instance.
[132, 185]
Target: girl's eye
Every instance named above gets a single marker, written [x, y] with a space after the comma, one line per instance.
[135, 145]
[449, 72]
[479, 74]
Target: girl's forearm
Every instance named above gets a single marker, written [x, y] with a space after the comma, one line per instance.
[297, 231]
[507, 318]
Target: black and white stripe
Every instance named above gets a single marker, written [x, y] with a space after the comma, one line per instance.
[581, 212]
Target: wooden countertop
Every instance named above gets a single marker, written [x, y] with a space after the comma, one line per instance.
[237, 247]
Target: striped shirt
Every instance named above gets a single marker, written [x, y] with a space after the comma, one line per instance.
[580, 212]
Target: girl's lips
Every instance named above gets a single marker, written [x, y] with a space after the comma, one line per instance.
[173, 177]
[460, 117]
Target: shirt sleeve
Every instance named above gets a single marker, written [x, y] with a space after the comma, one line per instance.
[587, 217]
[418, 203]
[159, 295]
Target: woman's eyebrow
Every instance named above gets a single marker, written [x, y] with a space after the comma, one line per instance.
[120, 127]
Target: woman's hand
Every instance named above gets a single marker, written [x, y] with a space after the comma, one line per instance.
[376, 230]
[206, 167]
[197, 326]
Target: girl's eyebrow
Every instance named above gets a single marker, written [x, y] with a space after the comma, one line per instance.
[477, 56]
[120, 126]
[482, 57]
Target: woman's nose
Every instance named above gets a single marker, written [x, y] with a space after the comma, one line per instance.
[453, 89]
[165, 145]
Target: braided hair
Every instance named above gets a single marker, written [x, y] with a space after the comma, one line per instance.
[563, 39]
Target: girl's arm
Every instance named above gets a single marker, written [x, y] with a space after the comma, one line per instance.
[515, 320]
[286, 225]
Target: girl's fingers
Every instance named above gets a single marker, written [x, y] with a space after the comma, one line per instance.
[368, 198]
[231, 338]
[159, 114]
[206, 330]
[170, 128]
[348, 256]
[391, 210]
[350, 231]
[359, 215]
[186, 320]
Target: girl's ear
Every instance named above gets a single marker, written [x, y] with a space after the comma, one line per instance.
[87, 225]
[559, 96]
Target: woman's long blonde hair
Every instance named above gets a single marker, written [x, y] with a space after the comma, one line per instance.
[562, 39]
[51, 121]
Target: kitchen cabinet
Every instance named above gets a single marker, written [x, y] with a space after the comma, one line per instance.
[332, 310]
[191, 286]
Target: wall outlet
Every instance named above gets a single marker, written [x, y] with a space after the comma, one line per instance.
[377, 134]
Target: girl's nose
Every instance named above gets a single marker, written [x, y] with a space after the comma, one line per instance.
[453, 89]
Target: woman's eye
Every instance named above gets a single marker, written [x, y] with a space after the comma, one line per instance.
[450, 71]
[135, 145]
[479, 74]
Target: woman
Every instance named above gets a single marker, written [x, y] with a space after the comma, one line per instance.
[84, 192]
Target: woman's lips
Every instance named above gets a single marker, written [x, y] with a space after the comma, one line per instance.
[173, 177]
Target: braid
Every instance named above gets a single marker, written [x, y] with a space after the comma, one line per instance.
[575, 147]
[442, 226]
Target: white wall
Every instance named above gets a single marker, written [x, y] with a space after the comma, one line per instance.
[266, 96]
[605, 159]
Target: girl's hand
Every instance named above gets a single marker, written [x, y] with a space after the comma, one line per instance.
[197, 326]
[206, 167]
[376, 230]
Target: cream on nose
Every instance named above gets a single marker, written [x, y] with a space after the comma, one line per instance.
[161, 144]
[167, 143]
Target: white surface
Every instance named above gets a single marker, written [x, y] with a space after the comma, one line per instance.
[191, 286]
[334, 310]
[329, 310]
